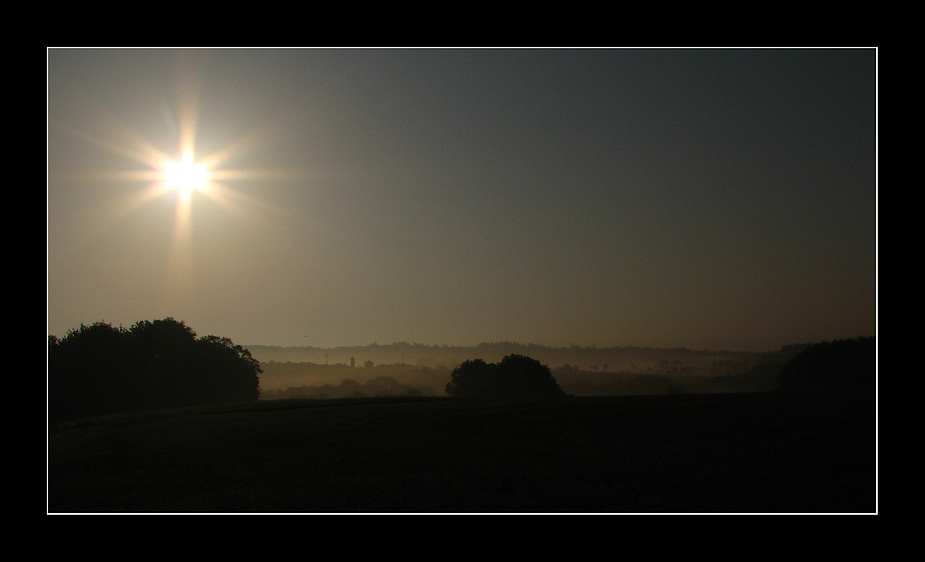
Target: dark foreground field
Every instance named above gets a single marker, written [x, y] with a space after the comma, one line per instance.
[722, 453]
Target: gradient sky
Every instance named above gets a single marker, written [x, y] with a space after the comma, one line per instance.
[708, 198]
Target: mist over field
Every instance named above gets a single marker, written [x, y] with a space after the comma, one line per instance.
[415, 369]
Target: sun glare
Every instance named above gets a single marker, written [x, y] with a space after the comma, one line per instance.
[185, 175]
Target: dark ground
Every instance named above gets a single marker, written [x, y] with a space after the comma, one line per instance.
[719, 453]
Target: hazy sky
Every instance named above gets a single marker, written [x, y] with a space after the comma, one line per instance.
[710, 198]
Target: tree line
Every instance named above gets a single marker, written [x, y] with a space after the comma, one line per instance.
[100, 369]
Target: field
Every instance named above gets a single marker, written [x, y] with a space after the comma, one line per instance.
[717, 453]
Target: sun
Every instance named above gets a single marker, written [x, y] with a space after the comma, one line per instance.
[186, 175]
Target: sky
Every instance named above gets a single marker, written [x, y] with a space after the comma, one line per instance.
[705, 198]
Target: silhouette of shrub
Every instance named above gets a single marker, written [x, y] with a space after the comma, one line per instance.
[838, 365]
[515, 376]
[98, 369]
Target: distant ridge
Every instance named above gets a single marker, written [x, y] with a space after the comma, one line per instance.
[635, 358]
[497, 345]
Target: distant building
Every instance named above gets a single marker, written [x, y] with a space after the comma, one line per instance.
[353, 362]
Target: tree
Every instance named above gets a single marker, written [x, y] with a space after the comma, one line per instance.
[849, 364]
[163, 351]
[515, 376]
[99, 369]
[227, 372]
[87, 371]
[471, 378]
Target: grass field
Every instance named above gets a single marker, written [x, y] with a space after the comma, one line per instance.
[718, 453]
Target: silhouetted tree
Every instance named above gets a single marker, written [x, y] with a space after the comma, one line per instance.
[87, 371]
[163, 351]
[515, 376]
[471, 378]
[226, 372]
[838, 365]
[99, 369]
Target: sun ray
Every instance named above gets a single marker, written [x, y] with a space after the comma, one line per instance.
[197, 182]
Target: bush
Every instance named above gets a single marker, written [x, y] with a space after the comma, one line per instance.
[514, 376]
